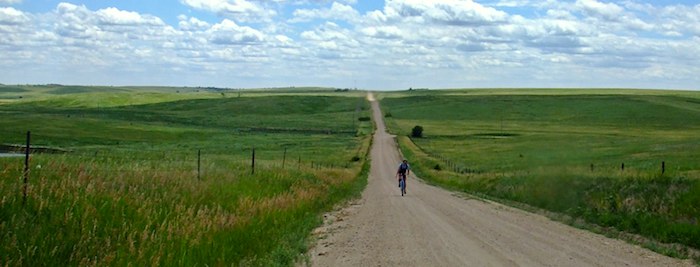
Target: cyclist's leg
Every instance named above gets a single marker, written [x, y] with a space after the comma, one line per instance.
[405, 179]
[403, 187]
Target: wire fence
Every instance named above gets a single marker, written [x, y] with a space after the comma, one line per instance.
[195, 162]
[456, 166]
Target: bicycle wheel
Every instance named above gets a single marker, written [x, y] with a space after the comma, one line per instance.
[404, 186]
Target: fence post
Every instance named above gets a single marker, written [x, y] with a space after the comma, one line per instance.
[623, 166]
[284, 157]
[663, 167]
[199, 163]
[591, 166]
[253, 163]
[299, 164]
[26, 168]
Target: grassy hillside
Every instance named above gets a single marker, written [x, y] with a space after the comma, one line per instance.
[563, 150]
[131, 191]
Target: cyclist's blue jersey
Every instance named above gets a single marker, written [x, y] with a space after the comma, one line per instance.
[403, 167]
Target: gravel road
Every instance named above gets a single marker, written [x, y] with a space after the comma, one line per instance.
[433, 227]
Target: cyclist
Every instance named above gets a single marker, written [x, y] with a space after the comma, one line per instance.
[404, 169]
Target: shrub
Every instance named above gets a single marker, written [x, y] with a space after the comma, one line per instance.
[417, 131]
[363, 118]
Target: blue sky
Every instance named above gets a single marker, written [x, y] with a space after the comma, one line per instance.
[393, 44]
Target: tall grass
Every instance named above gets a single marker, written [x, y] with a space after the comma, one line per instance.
[85, 213]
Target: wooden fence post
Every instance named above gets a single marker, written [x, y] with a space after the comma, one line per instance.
[253, 163]
[26, 168]
[199, 163]
[663, 167]
[284, 157]
[622, 167]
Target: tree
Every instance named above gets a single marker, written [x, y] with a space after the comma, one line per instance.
[417, 131]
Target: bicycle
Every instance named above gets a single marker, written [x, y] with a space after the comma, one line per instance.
[403, 171]
[402, 184]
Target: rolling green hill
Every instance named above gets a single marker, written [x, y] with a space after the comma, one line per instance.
[563, 150]
[134, 189]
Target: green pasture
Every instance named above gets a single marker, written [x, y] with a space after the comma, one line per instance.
[563, 150]
[163, 176]
[504, 132]
[202, 120]
[108, 96]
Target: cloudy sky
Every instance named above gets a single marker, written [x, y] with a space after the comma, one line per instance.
[392, 44]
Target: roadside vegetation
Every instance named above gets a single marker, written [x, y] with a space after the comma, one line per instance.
[594, 156]
[163, 176]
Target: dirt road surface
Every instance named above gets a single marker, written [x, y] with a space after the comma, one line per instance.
[432, 227]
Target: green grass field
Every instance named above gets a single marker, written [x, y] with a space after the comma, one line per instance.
[129, 191]
[563, 150]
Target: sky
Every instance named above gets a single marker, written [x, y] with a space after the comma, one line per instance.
[392, 44]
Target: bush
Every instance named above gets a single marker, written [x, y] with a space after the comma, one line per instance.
[417, 131]
[387, 115]
[363, 118]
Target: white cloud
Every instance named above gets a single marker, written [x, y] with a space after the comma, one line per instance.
[113, 16]
[680, 19]
[233, 6]
[229, 33]
[83, 27]
[75, 22]
[560, 14]
[16, 31]
[240, 10]
[11, 16]
[512, 3]
[386, 32]
[450, 12]
[337, 11]
[330, 42]
[611, 15]
[192, 24]
[606, 11]
[307, 2]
